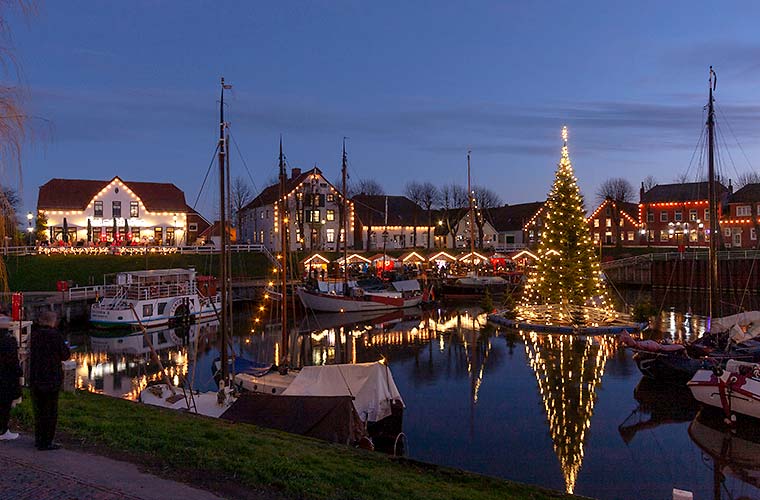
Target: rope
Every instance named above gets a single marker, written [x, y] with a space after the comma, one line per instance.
[205, 178]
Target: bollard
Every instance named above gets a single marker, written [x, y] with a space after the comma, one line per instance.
[69, 375]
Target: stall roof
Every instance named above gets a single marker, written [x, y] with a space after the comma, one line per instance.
[380, 257]
[470, 255]
[523, 253]
[442, 256]
[353, 259]
[412, 257]
[316, 256]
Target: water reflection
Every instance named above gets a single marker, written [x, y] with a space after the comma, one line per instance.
[568, 370]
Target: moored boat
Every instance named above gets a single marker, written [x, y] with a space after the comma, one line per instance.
[332, 297]
[153, 298]
[735, 389]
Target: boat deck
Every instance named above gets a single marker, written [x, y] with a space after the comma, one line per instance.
[271, 383]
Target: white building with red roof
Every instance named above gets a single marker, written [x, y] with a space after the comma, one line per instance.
[99, 211]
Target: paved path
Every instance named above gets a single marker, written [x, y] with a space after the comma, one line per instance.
[26, 473]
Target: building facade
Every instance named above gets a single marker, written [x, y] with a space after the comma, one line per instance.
[313, 206]
[509, 222]
[678, 214]
[741, 223]
[115, 211]
[615, 223]
[405, 226]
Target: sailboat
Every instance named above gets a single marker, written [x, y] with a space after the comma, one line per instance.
[674, 363]
[212, 403]
[473, 285]
[347, 295]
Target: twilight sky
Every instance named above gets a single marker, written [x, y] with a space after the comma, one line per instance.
[131, 89]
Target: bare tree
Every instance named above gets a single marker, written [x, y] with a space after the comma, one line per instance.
[485, 199]
[366, 186]
[241, 195]
[648, 183]
[454, 203]
[615, 188]
[429, 196]
[747, 178]
[413, 191]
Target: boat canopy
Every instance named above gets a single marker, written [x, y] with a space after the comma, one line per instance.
[370, 384]
[406, 285]
[749, 320]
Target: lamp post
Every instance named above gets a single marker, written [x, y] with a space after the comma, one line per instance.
[29, 228]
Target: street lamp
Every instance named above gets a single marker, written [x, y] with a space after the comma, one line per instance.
[29, 229]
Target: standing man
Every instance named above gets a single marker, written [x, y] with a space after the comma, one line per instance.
[10, 386]
[46, 353]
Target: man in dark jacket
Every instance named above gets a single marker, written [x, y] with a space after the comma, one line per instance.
[47, 351]
[10, 386]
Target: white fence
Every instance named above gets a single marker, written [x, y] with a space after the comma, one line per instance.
[126, 250]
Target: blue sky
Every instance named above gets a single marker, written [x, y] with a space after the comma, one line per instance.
[131, 89]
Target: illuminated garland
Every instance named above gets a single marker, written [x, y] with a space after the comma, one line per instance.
[566, 283]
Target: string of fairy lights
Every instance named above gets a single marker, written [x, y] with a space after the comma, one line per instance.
[565, 286]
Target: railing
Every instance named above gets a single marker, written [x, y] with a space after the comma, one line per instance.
[508, 247]
[125, 250]
[85, 292]
[688, 255]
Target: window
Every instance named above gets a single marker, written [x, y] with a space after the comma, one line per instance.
[663, 235]
[622, 222]
[752, 234]
[651, 235]
[693, 236]
[663, 217]
[193, 226]
[135, 233]
[330, 215]
[631, 235]
[147, 310]
[678, 216]
[331, 235]
[116, 209]
[608, 222]
[314, 216]
[261, 236]
[161, 307]
[596, 222]
[758, 209]
[158, 235]
[134, 209]
[607, 210]
[692, 215]
[744, 211]
[737, 237]
[727, 232]
[650, 216]
[96, 233]
[267, 214]
[707, 214]
[330, 198]
[261, 214]
[98, 210]
[170, 236]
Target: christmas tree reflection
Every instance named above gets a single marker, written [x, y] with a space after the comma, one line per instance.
[568, 369]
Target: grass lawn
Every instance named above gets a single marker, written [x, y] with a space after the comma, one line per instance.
[197, 448]
[40, 272]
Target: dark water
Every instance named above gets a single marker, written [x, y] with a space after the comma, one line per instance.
[566, 412]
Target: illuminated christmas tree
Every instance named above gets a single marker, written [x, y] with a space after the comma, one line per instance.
[565, 285]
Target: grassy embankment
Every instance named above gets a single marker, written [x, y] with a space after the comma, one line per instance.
[40, 272]
[235, 458]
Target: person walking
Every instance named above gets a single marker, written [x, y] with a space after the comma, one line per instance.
[46, 353]
[10, 385]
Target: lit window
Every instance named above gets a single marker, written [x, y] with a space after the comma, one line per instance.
[609, 222]
[330, 215]
[134, 209]
[631, 235]
[744, 211]
[331, 235]
[692, 215]
[596, 222]
[663, 235]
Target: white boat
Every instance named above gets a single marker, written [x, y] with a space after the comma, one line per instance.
[735, 389]
[329, 297]
[153, 298]
[210, 404]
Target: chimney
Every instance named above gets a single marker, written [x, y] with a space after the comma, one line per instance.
[295, 172]
[730, 187]
[641, 192]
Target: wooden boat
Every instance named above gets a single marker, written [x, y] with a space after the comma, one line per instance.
[405, 294]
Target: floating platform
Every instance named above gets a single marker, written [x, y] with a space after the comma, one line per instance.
[544, 328]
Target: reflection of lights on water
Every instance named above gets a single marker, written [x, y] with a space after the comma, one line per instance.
[440, 343]
[569, 421]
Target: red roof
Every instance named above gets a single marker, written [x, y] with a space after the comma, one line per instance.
[76, 194]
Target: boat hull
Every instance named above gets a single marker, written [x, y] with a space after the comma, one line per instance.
[732, 392]
[326, 302]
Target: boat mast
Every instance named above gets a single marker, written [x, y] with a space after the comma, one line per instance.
[472, 214]
[385, 236]
[223, 323]
[283, 252]
[713, 300]
[344, 168]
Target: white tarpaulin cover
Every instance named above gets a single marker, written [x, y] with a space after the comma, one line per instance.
[371, 385]
[746, 319]
[406, 285]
